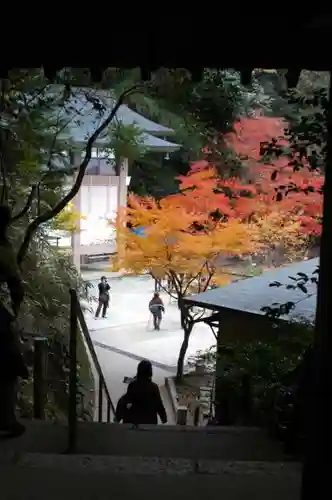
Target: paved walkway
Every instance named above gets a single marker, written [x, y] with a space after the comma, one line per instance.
[126, 336]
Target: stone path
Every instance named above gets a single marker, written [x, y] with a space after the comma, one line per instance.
[127, 336]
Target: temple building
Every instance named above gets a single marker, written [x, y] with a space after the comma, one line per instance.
[105, 185]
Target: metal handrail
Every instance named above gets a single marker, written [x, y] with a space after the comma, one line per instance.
[77, 319]
[95, 360]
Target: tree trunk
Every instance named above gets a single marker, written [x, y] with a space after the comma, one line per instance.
[182, 355]
[187, 327]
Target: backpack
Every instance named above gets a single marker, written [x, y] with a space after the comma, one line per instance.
[123, 412]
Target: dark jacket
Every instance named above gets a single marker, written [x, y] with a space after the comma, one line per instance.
[104, 289]
[156, 306]
[122, 412]
[146, 402]
[12, 363]
[9, 272]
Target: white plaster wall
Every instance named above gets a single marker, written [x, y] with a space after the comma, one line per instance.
[98, 205]
[97, 201]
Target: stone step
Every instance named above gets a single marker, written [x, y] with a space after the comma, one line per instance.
[40, 476]
[147, 465]
[223, 443]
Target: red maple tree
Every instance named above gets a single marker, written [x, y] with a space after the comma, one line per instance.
[302, 191]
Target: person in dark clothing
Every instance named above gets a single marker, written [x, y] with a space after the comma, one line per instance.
[122, 412]
[12, 364]
[144, 397]
[156, 307]
[104, 297]
[9, 271]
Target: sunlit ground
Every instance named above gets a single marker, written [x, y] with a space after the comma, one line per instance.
[127, 335]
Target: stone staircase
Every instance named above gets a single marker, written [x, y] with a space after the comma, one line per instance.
[152, 462]
[215, 443]
[117, 461]
[91, 479]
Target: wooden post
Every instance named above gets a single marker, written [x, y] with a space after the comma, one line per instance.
[76, 235]
[181, 415]
[122, 171]
[39, 377]
[197, 415]
[122, 185]
[100, 400]
[108, 414]
[218, 392]
[72, 399]
[316, 471]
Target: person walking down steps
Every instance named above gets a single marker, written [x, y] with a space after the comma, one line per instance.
[156, 307]
[142, 404]
[104, 297]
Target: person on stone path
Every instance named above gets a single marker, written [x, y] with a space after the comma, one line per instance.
[143, 400]
[12, 365]
[104, 297]
[156, 307]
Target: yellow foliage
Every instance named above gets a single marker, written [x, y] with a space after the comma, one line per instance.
[172, 247]
[68, 219]
[277, 230]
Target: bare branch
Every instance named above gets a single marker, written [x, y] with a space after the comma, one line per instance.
[212, 330]
[177, 282]
[193, 279]
[50, 214]
[63, 127]
[163, 287]
[27, 205]
[27, 101]
[34, 190]
[202, 318]
[208, 281]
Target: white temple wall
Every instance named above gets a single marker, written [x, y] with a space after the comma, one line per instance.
[97, 201]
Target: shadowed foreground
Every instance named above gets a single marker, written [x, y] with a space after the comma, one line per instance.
[89, 481]
[155, 462]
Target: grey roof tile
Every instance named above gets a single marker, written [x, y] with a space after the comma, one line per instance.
[250, 295]
[124, 114]
[155, 143]
[86, 120]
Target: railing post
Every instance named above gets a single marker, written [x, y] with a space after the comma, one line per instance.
[39, 377]
[181, 415]
[196, 415]
[72, 399]
[108, 416]
[102, 386]
[100, 400]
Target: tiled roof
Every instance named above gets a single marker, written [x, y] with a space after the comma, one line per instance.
[86, 120]
[156, 144]
[250, 295]
[88, 116]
